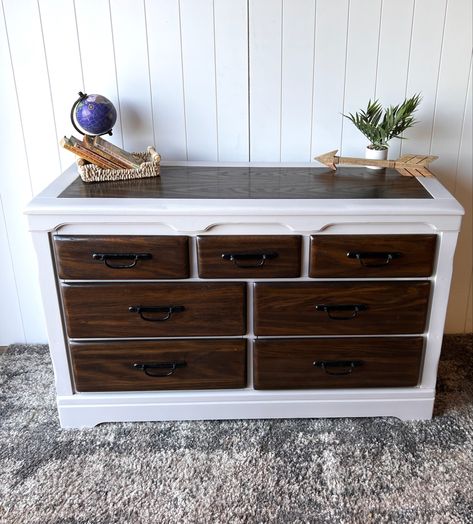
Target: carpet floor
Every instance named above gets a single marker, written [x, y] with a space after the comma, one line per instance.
[333, 471]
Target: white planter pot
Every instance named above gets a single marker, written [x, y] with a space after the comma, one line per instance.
[376, 154]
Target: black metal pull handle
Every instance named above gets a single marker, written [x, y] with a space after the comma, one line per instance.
[239, 258]
[383, 258]
[108, 257]
[167, 310]
[146, 367]
[346, 367]
[330, 308]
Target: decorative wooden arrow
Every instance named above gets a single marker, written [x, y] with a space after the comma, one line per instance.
[407, 165]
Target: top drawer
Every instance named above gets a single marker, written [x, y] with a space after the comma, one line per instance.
[372, 255]
[121, 257]
[249, 256]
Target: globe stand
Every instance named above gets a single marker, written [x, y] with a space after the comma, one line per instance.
[83, 96]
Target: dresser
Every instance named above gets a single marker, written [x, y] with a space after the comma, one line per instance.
[245, 291]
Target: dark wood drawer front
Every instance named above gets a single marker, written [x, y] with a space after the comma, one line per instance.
[154, 309]
[121, 257]
[337, 363]
[240, 256]
[372, 255]
[341, 308]
[154, 365]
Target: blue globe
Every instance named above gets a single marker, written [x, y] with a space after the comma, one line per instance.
[95, 114]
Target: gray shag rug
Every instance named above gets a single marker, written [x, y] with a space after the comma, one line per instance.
[332, 471]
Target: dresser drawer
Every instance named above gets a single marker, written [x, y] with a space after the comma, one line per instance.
[242, 256]
[154, 309]
[372, 255]
[121, 257]
[154, 365]
[340, 308]
[337, 363]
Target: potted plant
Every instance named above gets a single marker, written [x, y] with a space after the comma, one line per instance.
[380, 125]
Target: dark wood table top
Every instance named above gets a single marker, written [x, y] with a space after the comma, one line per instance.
[256, 183]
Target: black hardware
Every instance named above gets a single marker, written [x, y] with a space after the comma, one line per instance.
[171, 366]
[354, 308]
[363, 256]
[134, 257]
[259, 257]
[348, 365]
[168, 310]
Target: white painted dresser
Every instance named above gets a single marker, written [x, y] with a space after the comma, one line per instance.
[222, 292]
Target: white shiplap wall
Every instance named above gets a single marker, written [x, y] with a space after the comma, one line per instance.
[225, 80]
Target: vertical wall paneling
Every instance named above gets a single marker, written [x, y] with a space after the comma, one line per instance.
[64, 65]
[452, 87]
[131, 58]
[393, 57]
[231, 62]
[11, 327]
[227, 80]
[265, 41]
[362, 59]
[30, 69]
[447, 131]
[15, 191]
[98, 54]
[331, 21]
[297, 79]
[426, 47]
[463, 190]
[165, 69]
[198, 62]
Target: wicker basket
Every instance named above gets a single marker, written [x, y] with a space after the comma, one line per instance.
[92, 173]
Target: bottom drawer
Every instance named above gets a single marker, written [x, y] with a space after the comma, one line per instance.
[155, 365]
[337, 362]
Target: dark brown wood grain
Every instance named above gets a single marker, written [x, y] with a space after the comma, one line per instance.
[169, 257]
[102, 310]
[256, 183]
[109, 366]
[286, 250]
[290, 308]
[384, 362]
[413, 255]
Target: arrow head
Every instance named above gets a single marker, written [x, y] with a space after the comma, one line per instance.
[328, 159]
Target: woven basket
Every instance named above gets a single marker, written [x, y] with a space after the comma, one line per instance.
[92, 173]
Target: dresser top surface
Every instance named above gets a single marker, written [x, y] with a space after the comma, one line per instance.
[250, 183]
[247, 190]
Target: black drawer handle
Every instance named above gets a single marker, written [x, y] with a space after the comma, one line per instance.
[383, 257]
[168, 310]
[238, 258]
[354, 308]
[108, 257]
[170, 366]
[329, 365]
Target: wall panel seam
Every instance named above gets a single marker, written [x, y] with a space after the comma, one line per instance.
[345, 78]
[215, 81]
[313, 85]
[116, 72]
[48, 76]
[149, 74]
[434, 115]
[408, 64]
[20, 118]
[182, 77]
[380, 26]
[460, 142]
[78, 45]
[15, 282]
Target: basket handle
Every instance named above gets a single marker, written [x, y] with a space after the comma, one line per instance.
[155, 157]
